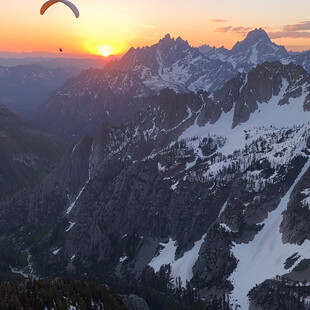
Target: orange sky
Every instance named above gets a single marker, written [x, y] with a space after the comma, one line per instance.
[114, 26]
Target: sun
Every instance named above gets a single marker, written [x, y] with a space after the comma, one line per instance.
[105, 50]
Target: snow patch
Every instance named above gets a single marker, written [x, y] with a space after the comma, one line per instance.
[71, 225]
[182, 267]
[122, 259]
[56, 251]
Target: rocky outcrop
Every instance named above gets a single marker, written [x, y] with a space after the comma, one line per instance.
[246, 92]
[134, 302]
[215, 264]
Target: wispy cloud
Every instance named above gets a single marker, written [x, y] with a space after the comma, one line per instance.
[217, 20]
[223, 29]
[301, 26]
[238, 30]
[295, 31]
[289, 34]
[241, 30]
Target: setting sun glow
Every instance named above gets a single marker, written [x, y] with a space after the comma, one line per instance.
[106, 50]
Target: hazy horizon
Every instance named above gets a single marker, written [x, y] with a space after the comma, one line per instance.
[45, 54]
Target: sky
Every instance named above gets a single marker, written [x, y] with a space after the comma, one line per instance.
[112, 27]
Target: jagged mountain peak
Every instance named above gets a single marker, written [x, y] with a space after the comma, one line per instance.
[165, 43]
[258, 34]
[256, 48]
[167, 40]
[253, 37]
[165, 52]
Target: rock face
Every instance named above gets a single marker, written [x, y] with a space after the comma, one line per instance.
[25, 153]
[295, 224]
[265, 82]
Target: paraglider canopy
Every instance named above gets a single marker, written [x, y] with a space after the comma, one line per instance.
[49, 3]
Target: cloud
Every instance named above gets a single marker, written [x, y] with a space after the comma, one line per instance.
[216, 20]
[241, 30]
[237, 30]
[300, 30]
[301, 26]
[289, 34]
[223, 29]
[294, 31]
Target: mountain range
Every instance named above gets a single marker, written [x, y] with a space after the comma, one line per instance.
[197, 181]
[25, 87]
[116, 92]
[26, 83]
[190, 195]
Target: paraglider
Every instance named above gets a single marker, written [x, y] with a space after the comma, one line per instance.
[49, 3]
[60, 49]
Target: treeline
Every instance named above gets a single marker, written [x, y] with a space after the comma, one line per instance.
[280, 293]
[60, 294]
[162, 292]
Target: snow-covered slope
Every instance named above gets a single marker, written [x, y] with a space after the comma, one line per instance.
[265, 256]
[173, 63]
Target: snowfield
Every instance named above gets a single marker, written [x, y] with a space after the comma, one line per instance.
[264, 116]
[264, 257]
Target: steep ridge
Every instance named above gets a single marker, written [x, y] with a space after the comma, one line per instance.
[25, 153]
[187, 182]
